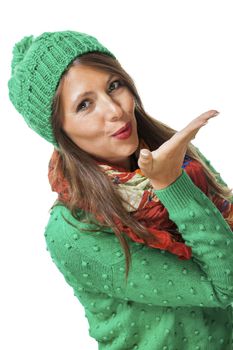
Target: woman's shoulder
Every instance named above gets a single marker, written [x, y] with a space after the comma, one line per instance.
[64, 233]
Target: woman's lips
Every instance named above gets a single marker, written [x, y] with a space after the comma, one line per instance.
[125, 133]
[121, 129]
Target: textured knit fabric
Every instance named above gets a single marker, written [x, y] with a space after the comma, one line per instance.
[167, 303]
[36, 68]
[142, 202]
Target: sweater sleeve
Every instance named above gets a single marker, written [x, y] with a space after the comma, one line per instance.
[205, 280]
[214, 171]
[93, 262]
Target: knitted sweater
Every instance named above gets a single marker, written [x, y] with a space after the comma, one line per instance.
[167, 303]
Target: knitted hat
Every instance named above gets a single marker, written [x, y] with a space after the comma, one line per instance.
[36, 68]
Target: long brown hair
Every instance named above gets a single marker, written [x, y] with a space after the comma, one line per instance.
[87, 181]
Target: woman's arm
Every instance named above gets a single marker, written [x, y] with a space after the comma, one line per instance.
[210, 166]
[94, 262]
[206, 280]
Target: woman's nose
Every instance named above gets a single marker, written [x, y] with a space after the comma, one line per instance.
[112, 108]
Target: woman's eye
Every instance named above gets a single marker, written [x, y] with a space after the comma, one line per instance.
[80, 106]
[115, 83]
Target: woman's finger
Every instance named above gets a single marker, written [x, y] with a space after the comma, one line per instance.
[201, 120]
[190, 130]
[145, 157]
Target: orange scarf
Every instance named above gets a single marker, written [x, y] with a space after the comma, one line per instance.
[144, 204]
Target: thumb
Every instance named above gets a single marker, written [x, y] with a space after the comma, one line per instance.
[145, 154]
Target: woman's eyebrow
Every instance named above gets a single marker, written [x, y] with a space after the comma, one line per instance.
[88, 93]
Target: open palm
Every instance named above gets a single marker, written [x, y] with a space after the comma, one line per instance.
[164, 165]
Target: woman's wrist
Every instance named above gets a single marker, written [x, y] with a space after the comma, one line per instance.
[157, 185]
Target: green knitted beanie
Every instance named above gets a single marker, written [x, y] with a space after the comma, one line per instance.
[36, 68]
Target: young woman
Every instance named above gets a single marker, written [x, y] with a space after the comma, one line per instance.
[142, 227]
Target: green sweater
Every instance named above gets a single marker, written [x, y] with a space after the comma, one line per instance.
[167, 304]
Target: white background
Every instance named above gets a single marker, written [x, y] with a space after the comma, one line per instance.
[180, 56]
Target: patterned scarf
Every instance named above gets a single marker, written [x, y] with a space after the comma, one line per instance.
[143, 203]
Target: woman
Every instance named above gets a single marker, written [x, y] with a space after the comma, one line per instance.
[145, 241]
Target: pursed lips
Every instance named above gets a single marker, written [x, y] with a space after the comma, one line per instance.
[124, 128]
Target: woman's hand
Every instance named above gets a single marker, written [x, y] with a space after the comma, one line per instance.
[163, 166]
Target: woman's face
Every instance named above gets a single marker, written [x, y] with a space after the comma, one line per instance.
[91, 119]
